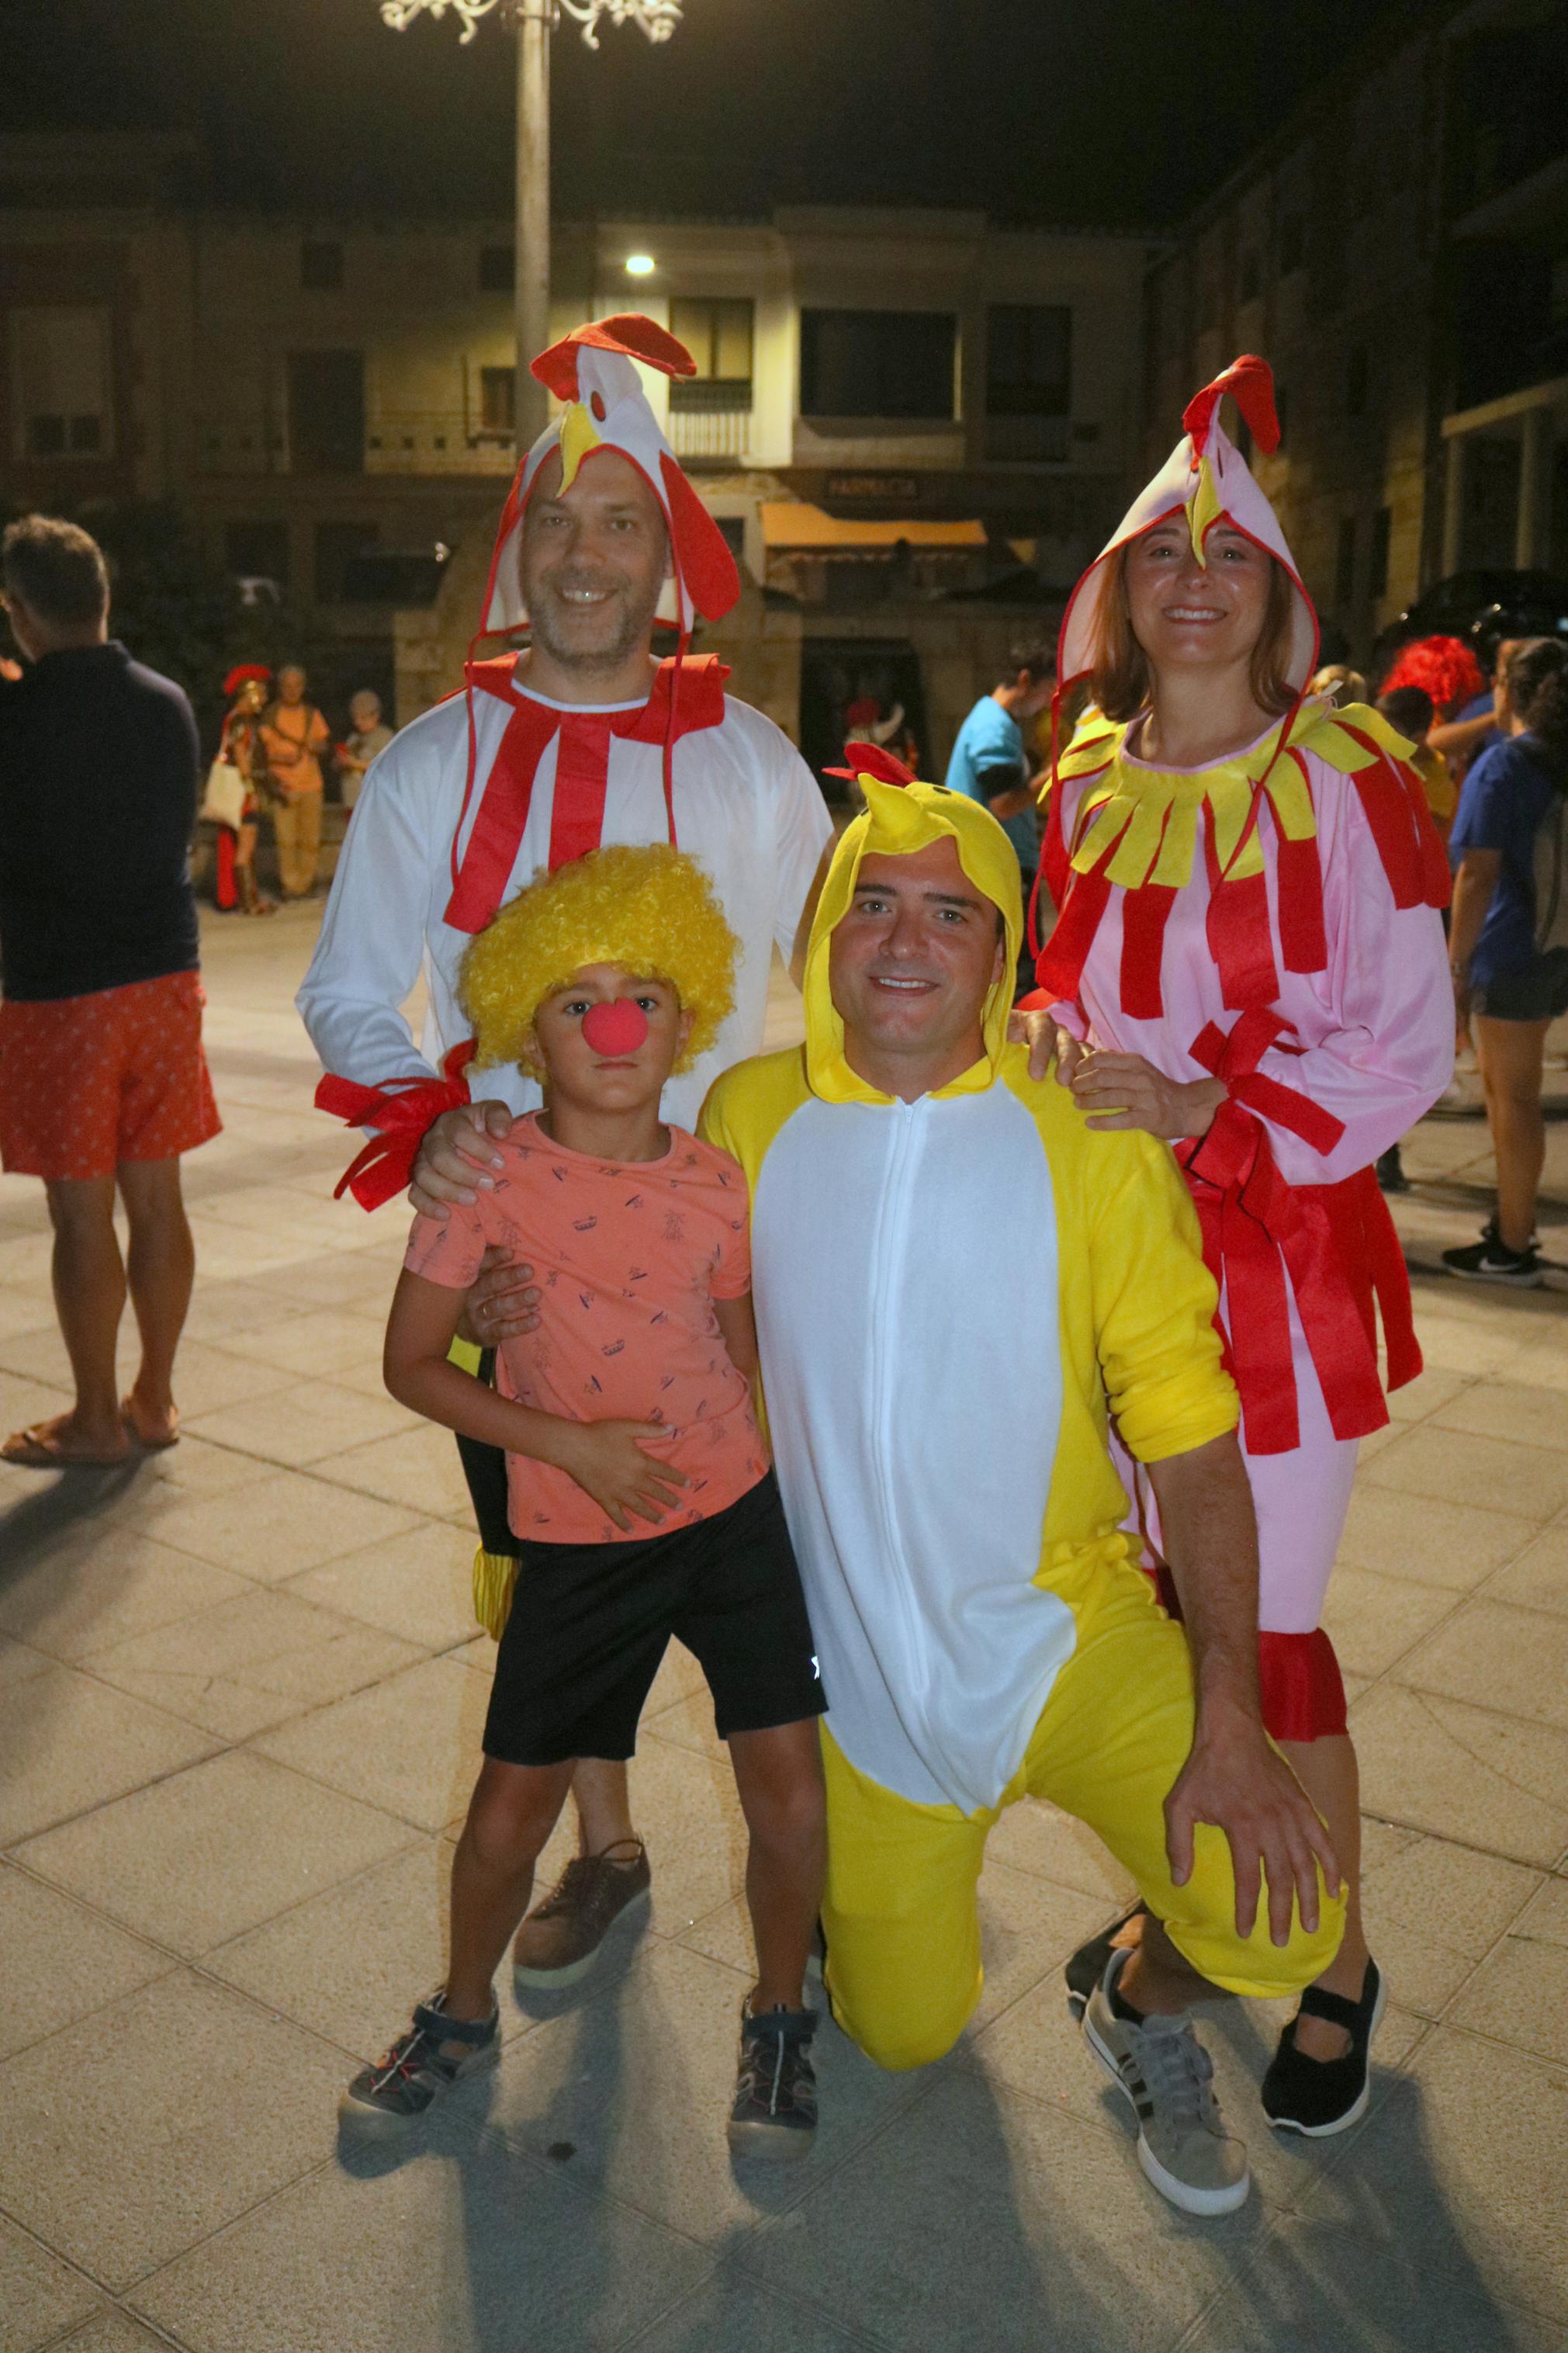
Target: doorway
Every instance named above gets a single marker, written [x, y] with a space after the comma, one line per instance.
[860, 683]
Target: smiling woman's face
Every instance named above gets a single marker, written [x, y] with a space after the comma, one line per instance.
[1186, 613]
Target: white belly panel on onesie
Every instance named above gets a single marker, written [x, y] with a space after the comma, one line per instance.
[904, 1263]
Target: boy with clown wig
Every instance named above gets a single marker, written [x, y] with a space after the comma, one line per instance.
[640, 1490]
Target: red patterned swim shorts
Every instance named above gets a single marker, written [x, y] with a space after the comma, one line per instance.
[89, 1082]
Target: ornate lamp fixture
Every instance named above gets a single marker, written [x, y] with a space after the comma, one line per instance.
[655, 18]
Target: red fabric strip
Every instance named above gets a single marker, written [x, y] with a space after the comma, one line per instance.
[1237, 929]
[399, 1112]
[1299, 885]
[582, 774]
[503, 814]
[1407, 841]
[1059, 966]
[1302, 1690]
[1144, 914]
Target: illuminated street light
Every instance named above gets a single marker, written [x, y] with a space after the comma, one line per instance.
[535, 20]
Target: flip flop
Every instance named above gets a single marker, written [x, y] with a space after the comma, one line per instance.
[34, 1450]
[156, 1445]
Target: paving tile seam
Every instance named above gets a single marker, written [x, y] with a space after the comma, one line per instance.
[146, 2279]
[797, 2299]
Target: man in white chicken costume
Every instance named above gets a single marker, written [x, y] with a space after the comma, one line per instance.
[579, 738]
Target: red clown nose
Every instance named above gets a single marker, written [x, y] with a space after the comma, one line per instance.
[615, 1029]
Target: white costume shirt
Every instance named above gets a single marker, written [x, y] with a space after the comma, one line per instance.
[746, 806]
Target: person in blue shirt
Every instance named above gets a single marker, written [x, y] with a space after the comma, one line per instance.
[1508, 939]
[990, 764]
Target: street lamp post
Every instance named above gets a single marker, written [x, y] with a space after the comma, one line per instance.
[534, 21]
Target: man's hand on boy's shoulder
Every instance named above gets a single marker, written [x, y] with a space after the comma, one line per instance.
[457, 1156]
[502, 1303]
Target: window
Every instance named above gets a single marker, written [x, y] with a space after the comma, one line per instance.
[718, 335]
[497, 268]
[498, 400]
[326, 412]
[1028, 382]
[1377, 562]
[877, 364]
[1028, 360]
[1356, 382]
[1344, 564]
[257, 551]
[61, 376]
[1292, 243]
[321, 266]
[337, 544]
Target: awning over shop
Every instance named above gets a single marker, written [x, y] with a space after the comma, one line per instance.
[794, 526]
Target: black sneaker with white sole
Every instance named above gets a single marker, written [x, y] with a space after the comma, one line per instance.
[773, 2114]
[1491, 1260]
[420, 2068]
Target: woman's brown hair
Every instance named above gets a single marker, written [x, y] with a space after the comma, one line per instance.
[1121, 683]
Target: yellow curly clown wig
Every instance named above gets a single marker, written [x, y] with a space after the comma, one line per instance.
[645, 906]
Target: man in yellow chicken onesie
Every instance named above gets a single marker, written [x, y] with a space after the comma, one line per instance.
[956, 1281]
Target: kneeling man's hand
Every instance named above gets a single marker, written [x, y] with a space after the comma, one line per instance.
[1236, 1780]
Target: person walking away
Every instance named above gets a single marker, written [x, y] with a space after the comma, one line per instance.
[242, 747]
[367, 740]
[638, 1483]
[1411, 712]
[989, 762]
[294, 735]
[103, 1082]
[1508, 945]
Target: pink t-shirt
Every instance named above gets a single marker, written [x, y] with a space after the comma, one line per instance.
[630, 1256]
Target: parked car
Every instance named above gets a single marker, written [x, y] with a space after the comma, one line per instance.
[1481, 607]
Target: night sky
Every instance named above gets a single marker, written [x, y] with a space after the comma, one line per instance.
[1120, 113]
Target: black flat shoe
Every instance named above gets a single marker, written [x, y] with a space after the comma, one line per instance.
[1319, 2097]
[1085, 1968]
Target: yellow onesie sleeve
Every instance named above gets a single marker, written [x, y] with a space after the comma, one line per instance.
[1154, 1306]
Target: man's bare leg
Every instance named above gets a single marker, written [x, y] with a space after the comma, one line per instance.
[160, 1269]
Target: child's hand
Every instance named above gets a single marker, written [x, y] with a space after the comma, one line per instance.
[607, 1463]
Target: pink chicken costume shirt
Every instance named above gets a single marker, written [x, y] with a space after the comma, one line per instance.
[1271, 919]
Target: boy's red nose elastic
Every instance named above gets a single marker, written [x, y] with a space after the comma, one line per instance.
[615, 1028]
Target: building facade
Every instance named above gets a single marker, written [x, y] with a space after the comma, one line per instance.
[897, 415]
[1399, 252]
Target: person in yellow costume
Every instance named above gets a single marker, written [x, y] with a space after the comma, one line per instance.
[957, 1284]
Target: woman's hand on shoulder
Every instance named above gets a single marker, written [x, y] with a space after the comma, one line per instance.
[1051, 1048]
[1126, 1090]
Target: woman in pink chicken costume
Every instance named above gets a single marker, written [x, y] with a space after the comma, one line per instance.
[1247, 958]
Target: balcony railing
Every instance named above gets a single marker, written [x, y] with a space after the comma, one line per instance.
[1026, 441]
[711, 416]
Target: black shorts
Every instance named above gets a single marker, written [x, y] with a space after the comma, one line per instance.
[1539, 993]
[590, 1623]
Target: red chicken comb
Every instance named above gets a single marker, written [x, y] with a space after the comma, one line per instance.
[628, 333]
[1250, 384]
[871, 760]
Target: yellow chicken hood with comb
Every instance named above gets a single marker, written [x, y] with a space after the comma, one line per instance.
[899, 820]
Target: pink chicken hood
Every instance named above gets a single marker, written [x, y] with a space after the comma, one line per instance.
[592, 370]
[1207, 475]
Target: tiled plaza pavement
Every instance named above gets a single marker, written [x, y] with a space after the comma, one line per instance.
[242, 1699]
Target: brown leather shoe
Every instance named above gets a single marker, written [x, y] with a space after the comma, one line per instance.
[559, 1941]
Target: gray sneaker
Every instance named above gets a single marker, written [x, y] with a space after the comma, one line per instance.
[1168, 2077]
[420, 2069]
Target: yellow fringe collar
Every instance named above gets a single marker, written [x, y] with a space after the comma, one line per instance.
[1151, 814]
